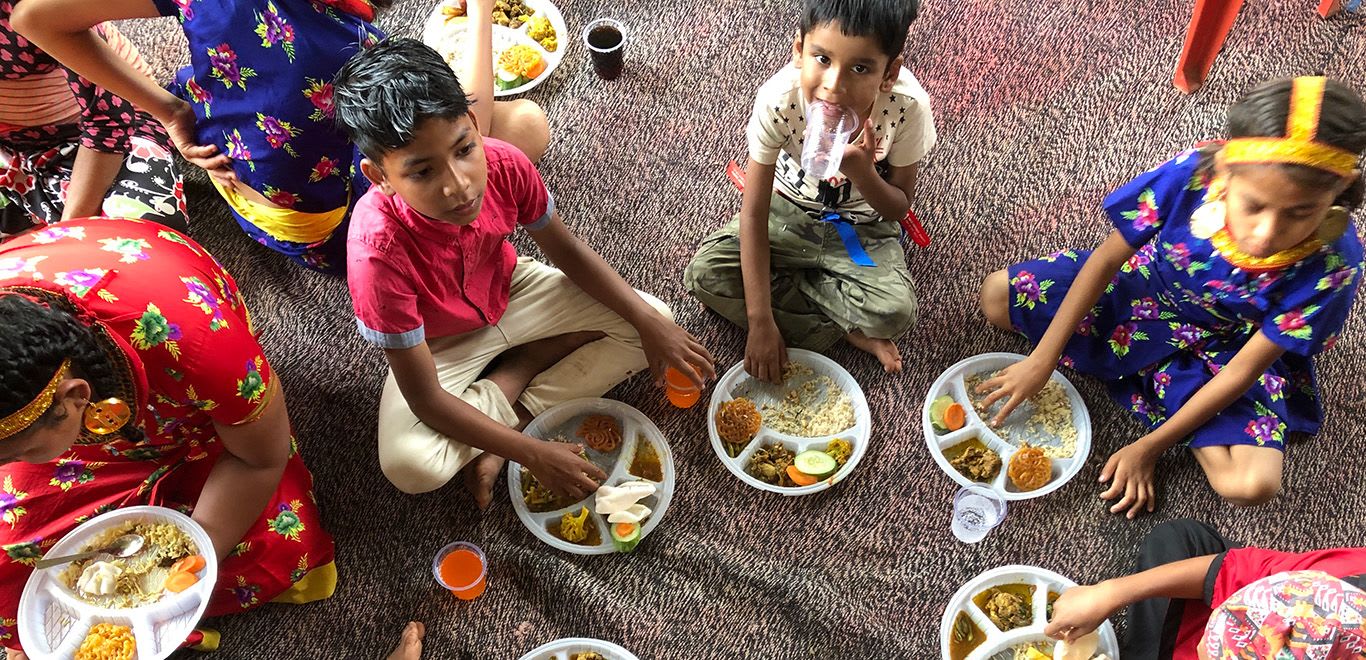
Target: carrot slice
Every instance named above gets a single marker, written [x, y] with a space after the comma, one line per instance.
[179, 581]
[955, 417]
[800, 478]
[625, 529]
[190, 564]
[537, 68]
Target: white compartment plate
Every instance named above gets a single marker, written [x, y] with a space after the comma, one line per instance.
[997, 641]
[951, 382]
[737, 380]
[53, 621]
[448, 37]
[564, 420]
[561, 649]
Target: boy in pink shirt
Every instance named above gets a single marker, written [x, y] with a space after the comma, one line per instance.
[478, 340]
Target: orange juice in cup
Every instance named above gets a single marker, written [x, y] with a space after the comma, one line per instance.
[461, 568]
[682, 392]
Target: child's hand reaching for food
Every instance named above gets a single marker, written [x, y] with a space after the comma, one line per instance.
[1019, 381]
[1080, 610]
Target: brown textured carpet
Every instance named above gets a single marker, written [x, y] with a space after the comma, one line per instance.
[1042, 107]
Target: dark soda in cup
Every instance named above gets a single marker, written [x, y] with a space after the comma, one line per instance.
[606, 41]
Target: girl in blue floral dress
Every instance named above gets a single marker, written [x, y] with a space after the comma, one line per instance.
[1229, 268]
[254, 107]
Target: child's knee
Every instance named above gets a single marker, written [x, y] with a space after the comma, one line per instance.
[995, 299]
[1248, 489]
[411, 476]
[894, 318]
[524, 123]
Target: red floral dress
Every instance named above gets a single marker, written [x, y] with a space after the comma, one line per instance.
[175, 318]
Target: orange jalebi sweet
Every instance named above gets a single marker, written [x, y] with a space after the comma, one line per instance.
[1030, 468]
[601, 432]
[737, 421]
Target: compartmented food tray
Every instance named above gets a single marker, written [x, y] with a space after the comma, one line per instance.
[566, 649]
[53, 621]
[738, 383]
[967, 632]
[448, 35]
[1062, 430]
[621, 465]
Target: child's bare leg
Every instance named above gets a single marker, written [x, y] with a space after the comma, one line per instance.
[11, 654]
[410, 645]
[995, 299]
[523, 124]
[512, 372]
[884, 350]
[1244, 475]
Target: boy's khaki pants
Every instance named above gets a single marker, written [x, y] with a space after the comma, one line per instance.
[819, 293]
[543, 303]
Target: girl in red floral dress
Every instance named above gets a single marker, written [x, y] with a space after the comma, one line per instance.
[138, 322]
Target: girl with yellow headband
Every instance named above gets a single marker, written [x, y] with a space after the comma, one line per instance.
[1228, 269]
[130, 374]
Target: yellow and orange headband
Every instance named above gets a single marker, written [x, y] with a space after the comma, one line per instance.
[21, 419]
[1298, 147]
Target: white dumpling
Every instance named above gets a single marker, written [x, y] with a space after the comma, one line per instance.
[1082, 649]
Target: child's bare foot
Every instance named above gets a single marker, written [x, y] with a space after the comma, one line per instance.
[515, 368]
[480, 475]
[884, 350]
[410, 645]
[11, 654]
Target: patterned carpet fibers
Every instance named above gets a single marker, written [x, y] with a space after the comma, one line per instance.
[1042, 106]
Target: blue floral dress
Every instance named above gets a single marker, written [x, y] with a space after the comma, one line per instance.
[1178, 311]
[260, 82]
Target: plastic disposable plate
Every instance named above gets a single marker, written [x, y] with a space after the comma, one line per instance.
[564, 649]
[737, 382]
[53, 621]
[952, 383]
[448, 37]
[562, 422]
[1047, 585]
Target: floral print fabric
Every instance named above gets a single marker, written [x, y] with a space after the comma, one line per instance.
[260, 83]
[183, 327]
[1178, 311]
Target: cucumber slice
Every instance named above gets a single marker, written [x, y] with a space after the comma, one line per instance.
[628, 541]
[937, 408]
[815, 463]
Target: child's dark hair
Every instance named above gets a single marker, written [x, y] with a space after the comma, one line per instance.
[384, 93]
[34, 339]
[1342, 123]
[886, 21]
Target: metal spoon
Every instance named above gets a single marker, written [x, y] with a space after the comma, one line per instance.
[123, 546]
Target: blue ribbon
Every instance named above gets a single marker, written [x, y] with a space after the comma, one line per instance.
[1354, 5]
[849, 237]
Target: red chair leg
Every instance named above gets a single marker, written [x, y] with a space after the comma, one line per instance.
[1210, 23]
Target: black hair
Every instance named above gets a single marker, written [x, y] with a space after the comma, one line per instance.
[385, 92]
[34, 340]
[1342, 123]
[886, 21]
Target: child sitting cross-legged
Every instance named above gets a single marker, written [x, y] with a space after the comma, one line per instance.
[809, 261]
[478, 340]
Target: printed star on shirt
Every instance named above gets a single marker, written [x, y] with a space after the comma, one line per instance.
[885, 112]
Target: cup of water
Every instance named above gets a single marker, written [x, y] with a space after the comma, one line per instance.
[976, 511]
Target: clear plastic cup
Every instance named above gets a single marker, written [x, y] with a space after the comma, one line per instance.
[461, 568]
[976, 511]
[606, 42]
[828, 129]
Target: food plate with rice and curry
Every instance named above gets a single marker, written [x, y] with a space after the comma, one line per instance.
[579, 648]
[795, 438]
[529, 40]
[1001, 615]
[106, 607]
[626, 445]
[1039, 447]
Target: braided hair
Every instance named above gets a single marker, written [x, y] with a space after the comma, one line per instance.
[34, 340]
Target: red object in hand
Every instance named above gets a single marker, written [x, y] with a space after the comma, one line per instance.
[916, 230]
[736, 175]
